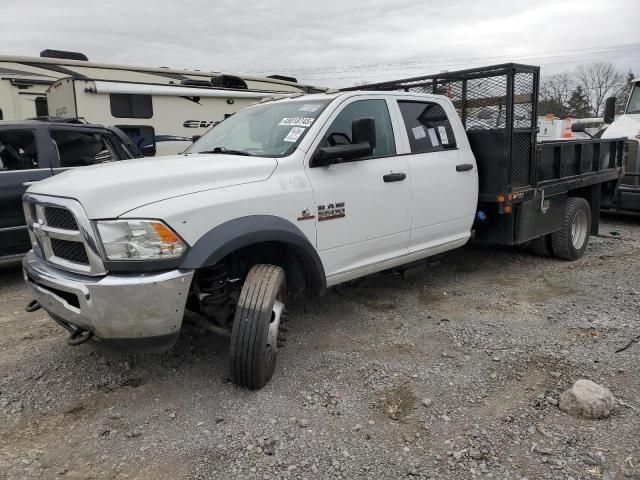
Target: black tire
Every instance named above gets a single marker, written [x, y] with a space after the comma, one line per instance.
[541, 246]
[566, 243]
[253, 356]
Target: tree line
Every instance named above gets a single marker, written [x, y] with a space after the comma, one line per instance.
[581, 93]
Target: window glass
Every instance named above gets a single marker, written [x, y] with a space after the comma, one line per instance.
[79, 149]
[428, 127]
[124, 105]
[18, 150]
[143, 136]
[41, 107]
[273, 129]
[634, 100]
[339, 133]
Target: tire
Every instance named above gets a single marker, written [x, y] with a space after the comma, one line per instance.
[570, 242]
[541, 246]
[256, 327]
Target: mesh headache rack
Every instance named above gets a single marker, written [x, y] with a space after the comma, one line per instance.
[498, 108]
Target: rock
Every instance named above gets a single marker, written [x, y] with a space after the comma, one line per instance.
[303, 423]
[427, 402]
[587, 399]
[270, 446]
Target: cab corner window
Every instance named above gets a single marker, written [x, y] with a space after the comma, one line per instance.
[79, 149]
[428, 127]
[125, 105]
[340, 132]
[18, 150]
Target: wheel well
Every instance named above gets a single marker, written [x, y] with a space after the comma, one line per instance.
[300, 271]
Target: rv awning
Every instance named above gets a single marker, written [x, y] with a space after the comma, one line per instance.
[175, 91]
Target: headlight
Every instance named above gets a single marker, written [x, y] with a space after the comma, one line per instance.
[139, 240]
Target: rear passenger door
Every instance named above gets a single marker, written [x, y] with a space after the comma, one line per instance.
[22, 163]
[444, 178]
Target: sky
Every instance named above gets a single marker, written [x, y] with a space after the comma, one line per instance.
[329, 42]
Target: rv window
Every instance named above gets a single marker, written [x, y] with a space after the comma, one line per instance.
[41, 107]
[79, 149]
[143, 136]
[18, 150]
[124, 105]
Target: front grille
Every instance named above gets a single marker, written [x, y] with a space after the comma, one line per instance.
[60, 218]
[71, 251]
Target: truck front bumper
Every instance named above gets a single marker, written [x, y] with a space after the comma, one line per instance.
[141, 312]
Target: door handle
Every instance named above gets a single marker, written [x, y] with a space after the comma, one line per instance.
[29, 183]
[394, 177]
[463, 167]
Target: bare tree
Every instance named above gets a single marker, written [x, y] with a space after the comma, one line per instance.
[599, 81]
[555, 92]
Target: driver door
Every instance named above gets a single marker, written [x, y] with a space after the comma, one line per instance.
[363, 206]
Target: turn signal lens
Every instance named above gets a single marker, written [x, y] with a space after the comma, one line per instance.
[500, 198]
[164, 233]
[507, 209]
[510, 197]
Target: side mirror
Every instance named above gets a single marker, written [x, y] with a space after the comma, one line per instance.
[577, 127]
[609, 110]
[195, 138]
[364, 130]
[149, 150]
[326, 156]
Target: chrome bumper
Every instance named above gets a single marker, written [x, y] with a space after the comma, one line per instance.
[113, 307]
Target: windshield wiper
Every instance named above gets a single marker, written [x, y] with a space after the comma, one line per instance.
[226, 151]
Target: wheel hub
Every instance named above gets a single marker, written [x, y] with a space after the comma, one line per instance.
[274, 327]
[579, 229]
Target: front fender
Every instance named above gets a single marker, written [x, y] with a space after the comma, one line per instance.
[230, 236]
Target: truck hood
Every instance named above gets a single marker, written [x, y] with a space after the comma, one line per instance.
[627, 125]
[109, 190]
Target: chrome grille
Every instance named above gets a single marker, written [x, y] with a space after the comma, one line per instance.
[61, 234]
[60, 218]
[72, 251]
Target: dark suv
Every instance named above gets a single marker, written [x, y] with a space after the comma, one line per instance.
[32, 150]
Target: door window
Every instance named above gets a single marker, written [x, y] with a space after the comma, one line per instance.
[427, 125]
[339, 133]
[79, 149]
[143, 136]
[18, 150]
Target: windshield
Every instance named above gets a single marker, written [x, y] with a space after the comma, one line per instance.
[269, 130]
[634, 100]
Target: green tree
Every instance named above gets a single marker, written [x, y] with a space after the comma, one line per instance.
[578, 104]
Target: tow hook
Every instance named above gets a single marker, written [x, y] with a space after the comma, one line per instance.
[32, 306]
[79, 336]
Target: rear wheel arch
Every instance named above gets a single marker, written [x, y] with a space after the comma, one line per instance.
[259, 231]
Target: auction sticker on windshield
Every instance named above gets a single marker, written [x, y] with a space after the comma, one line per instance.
[297, 121]
[294, 134]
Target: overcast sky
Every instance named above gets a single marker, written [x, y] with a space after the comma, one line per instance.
[329, 42]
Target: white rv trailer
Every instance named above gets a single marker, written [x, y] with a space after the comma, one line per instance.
[205, 98]
[160, 119]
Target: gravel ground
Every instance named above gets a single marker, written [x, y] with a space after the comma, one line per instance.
[455, 373]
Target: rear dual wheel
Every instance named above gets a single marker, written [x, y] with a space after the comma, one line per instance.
[571, 241]
[257, 327]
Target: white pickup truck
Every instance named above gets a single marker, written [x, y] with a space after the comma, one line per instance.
[296, 195]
